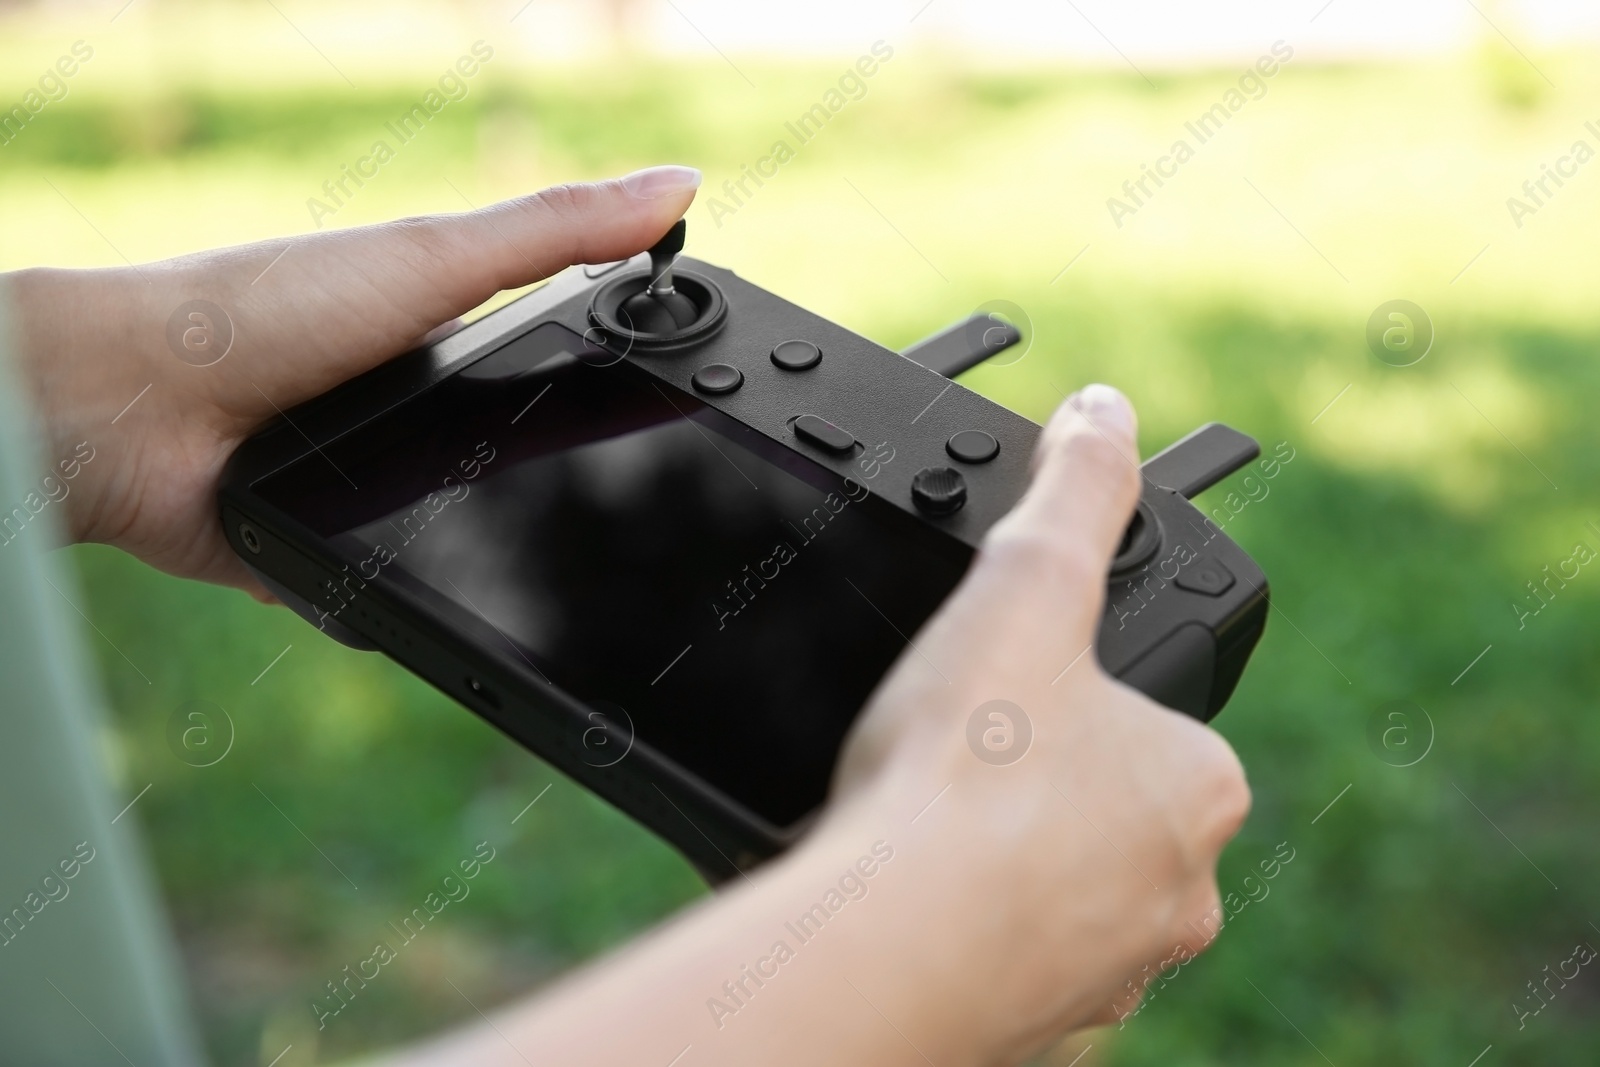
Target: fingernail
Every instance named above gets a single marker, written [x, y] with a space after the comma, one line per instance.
[653, 183]
[1106, 408]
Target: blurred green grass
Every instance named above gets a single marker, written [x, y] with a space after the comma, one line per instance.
[1396, 541]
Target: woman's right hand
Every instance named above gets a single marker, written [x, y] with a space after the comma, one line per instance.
[1029, 897]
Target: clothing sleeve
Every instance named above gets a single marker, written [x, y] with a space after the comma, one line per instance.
[88, 971]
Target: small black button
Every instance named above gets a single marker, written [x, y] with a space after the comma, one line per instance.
[1205, 576]
[716, 378]
[939, 490]
[823, 434]
[797, 355]
[972, 446]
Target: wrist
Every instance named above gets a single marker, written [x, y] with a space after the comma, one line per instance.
[80, 358]
[911, 934]
[841, 921]
[971, 941]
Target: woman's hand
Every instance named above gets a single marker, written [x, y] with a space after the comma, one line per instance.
[303, 314]
[1033, 882]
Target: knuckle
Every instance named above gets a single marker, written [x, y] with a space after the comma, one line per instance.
[1216, 794]
[1224, 787]
[566, 201]
[1207, 924]
[1206, 915]
[433, 239]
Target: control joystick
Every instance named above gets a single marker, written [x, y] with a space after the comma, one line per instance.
[659, 308]
[663, 307]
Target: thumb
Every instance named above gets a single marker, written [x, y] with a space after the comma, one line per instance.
[1086, 471]
[1030, 604]
[1049, 557]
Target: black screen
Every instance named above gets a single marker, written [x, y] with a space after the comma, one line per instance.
[639, 549]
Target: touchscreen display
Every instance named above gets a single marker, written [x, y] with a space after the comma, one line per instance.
[641, 551]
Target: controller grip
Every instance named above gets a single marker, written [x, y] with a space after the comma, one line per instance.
[1185, 605]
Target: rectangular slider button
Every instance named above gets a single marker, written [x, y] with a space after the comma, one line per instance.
[823, 434]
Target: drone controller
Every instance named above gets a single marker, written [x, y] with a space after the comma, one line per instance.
[668, 531]
[1185, 605]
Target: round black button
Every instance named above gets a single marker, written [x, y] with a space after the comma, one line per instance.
[717, 378]
[972, 446]
[939, 490]
[797, 355]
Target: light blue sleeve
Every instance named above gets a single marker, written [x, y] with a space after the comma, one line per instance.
[88, 971]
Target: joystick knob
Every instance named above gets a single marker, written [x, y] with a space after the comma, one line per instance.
[659, 308]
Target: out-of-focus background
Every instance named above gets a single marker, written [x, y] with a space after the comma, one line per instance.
[977, 164]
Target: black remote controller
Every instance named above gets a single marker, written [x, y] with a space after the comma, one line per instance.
[1185, 606]
[799, 398]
